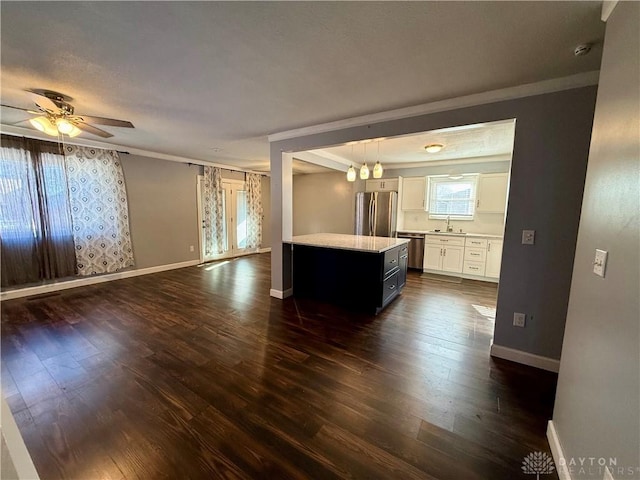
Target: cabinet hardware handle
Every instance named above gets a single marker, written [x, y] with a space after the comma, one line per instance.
[489, 247]
[391, 287]
[478, 203]
[440, 252]
[445, 252]
[393, 261]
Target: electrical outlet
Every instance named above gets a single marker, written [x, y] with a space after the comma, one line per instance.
[519, 319]
[528, 237]
[192, 248]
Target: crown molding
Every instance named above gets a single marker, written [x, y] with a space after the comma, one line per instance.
[607, 9]
[547, 86]
[84, 142]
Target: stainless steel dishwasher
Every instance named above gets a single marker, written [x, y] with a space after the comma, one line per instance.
[416, 248]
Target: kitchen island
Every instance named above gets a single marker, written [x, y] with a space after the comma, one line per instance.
[354, 271]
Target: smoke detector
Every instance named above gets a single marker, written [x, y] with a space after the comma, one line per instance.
[582, 49]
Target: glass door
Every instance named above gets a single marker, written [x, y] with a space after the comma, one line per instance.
[236, 216]
[234, 221]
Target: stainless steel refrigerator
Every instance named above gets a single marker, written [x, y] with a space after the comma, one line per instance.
[376, 213]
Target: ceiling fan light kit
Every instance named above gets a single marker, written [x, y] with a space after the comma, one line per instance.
[56, 116]
[44, 125]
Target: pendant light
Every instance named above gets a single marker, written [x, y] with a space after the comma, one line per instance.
[364, 170]
[351, 174]
[377, 169]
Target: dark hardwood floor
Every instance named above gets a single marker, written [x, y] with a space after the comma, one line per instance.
[198, 373]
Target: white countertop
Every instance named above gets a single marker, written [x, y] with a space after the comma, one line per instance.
[456, 234]
[342, 241]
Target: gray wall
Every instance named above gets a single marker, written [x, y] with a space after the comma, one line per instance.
[162, 210]
[551, 147]
[323, 202]
[597, 410]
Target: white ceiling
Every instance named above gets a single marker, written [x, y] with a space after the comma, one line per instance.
[479, 143]
[209, 81]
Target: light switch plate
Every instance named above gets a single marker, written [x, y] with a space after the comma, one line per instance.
[528, 237]
[600, 262]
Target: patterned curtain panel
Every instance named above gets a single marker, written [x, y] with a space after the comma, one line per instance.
[99, 210]
[254, 210]
[214, 233]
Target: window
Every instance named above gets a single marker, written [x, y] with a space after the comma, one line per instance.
[455, 198]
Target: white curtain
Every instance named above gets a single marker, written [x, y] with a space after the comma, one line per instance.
[213, 211]
[254, 210]
[99, 210]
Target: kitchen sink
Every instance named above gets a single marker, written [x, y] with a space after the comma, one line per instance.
[446, 233]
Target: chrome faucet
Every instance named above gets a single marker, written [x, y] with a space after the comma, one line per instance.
[449, 227]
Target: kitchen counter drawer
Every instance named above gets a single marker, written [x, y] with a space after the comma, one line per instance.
[473, 268]
[391, 259]
[475, 254]
[445, 240]
[476, 242]
[389, 288]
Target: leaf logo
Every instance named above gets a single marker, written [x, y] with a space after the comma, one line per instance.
[538, 463]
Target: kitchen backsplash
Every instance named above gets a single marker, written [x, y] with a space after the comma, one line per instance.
[490, 223]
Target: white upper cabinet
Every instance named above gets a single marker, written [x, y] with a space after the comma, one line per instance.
[381, 185]
[414, 193]
[492, 193]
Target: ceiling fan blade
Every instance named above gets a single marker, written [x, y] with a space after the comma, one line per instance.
[91, 129]
[44, 102]
[33, 112]
[104, 121]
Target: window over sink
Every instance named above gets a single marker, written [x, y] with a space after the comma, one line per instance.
[453, 197]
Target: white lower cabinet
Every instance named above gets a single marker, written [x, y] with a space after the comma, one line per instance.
[443, 253]
[494, 258]
[432, 257]
[473, 256]
[452, 259]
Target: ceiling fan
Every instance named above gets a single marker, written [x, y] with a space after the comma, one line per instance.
[56, 116]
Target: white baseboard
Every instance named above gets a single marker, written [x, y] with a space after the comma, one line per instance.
[82, 282]
[264, 250]
[526, 358]
[15, 445]
[281, 294]
[557, 453]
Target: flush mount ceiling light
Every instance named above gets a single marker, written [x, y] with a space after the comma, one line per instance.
[434, 147]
